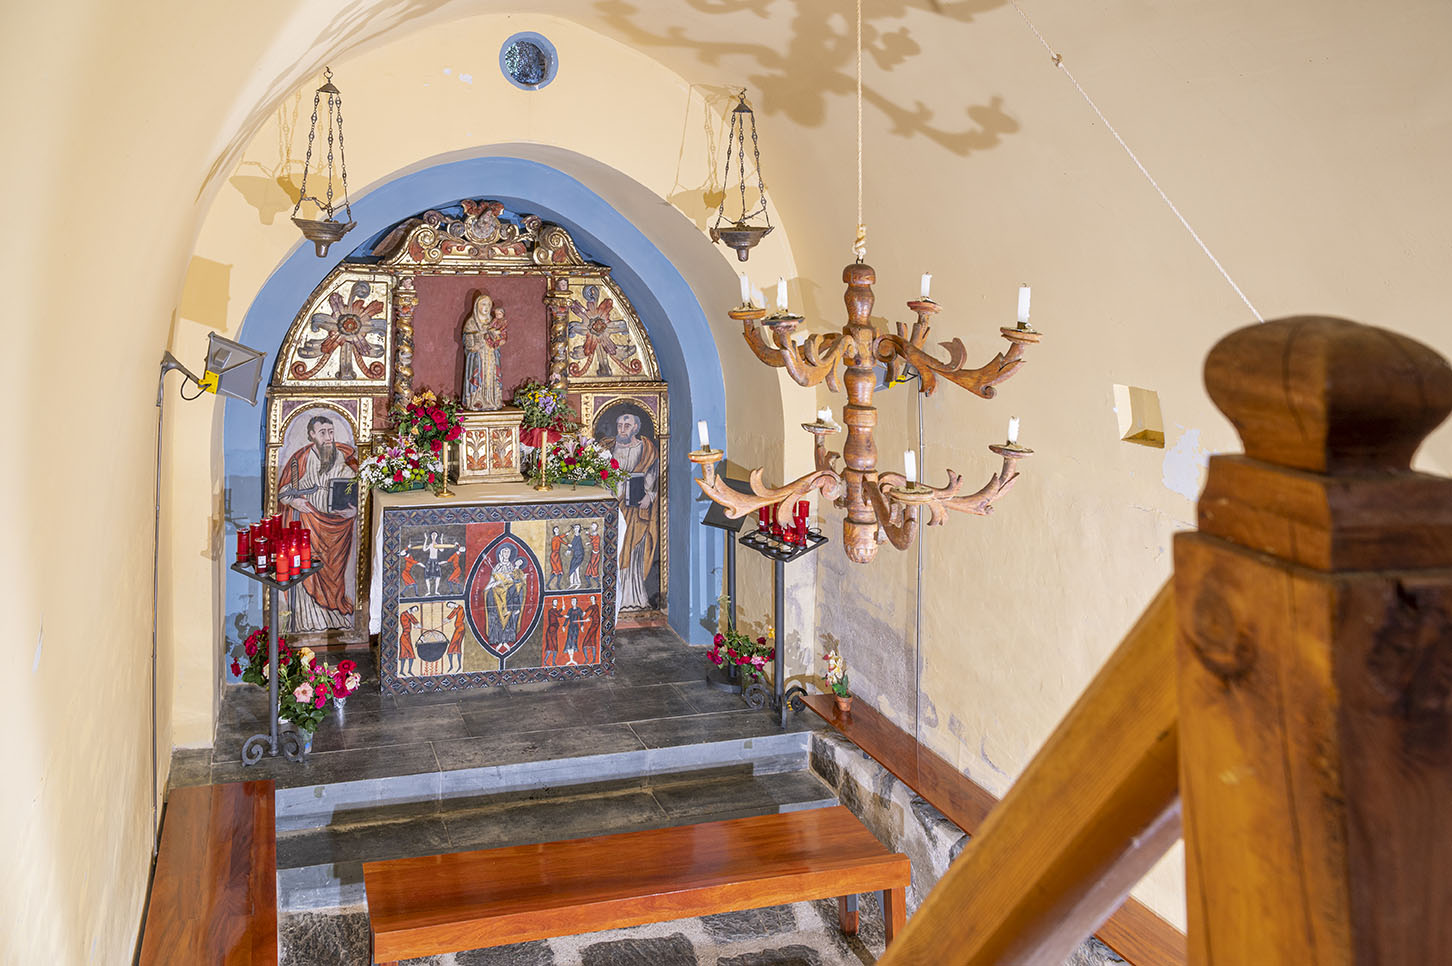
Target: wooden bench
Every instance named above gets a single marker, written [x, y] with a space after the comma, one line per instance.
[466, 900]
[214, 894]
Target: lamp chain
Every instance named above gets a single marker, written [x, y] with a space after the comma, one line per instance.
[859, 245]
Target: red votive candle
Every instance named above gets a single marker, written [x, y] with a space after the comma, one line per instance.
[804, 509]
[295, 550]
[260, 559]
[244, 544]
[284, 562]
[763, 518]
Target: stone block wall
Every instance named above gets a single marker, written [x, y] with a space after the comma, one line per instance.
[905, 823]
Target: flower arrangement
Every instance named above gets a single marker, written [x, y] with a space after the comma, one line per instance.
[401, 466]
[544, 408]
[432, 420]
[305, 684]
[582, 460]
[547, 415]
[734, 647]
[836, 673]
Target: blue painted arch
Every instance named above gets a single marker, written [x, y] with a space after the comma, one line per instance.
[667, 306]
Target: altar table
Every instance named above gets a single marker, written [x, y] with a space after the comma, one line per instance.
[496, 584]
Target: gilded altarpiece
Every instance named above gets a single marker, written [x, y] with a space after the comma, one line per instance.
[380, 328]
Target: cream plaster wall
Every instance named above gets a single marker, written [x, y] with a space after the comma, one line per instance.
[1305, 141]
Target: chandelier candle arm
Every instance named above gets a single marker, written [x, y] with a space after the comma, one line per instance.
[885, 504]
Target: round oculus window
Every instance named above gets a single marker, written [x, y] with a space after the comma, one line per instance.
[528, 60]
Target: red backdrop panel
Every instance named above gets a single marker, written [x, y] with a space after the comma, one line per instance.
[444, 303]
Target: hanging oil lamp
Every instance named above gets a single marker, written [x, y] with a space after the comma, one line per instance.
[741, 234]
[323, 232]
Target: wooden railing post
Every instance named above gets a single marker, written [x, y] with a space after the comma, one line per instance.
[1315, 657]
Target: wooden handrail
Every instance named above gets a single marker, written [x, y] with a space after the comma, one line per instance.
[1299, 678]
[1138, 935]
[1045, 870]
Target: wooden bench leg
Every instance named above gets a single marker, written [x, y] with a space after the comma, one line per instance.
[847, 913]
[894, 911]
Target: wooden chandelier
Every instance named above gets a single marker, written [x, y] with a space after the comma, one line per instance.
[885, 503]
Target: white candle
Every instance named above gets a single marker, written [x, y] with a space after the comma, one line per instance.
[927, 284]
[1013, 429]
[910, 463]
[1023, 303]
[758, 297]
[824, 415]
[701, 429]
[781, 299]
[745, 289]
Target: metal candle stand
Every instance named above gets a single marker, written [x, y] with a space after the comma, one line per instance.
[291, 745]
[780, 698]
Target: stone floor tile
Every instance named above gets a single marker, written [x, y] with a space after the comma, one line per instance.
[521, 714]
[189, 767]
[424, 835]
[510, 749]
[747, 924]
[672, 950]
[392, 726]
[323, 768]
[704, 698]
[515, 954]
[526, 823]
[624, 703]
[720, 726]
[323, 939]
[793, 955]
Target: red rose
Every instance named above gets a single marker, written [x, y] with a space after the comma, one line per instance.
[604, 474]
[436, 445]
[719, 639]
[236, 668]
[439, 420]
[454, 433]
[250, 645]
[347, 666]
[615, 464]
[398, 476]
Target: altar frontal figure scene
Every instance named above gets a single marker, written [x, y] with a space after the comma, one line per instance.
[526, 595]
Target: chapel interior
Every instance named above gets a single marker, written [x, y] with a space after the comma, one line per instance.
[1171, 687]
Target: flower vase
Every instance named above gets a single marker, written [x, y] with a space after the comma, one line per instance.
[843, 704]
[306, 737]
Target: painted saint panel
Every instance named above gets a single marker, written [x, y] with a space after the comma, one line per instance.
[475, 596]
[633, 424]
[314, 468]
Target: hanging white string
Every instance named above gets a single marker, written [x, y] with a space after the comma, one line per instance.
[1059, 63]
[859, 246]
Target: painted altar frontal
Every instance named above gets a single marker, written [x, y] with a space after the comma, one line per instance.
[483, 594]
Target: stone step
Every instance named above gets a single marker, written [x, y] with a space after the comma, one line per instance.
[320, 867]
[544, 761]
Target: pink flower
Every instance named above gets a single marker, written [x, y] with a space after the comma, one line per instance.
[398, 476]
[347, 666]
[719, 639]
[303, 693]
[320, 701]
[353, 681]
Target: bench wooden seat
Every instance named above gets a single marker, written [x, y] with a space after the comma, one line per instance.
[214, 894]
[466, 900]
